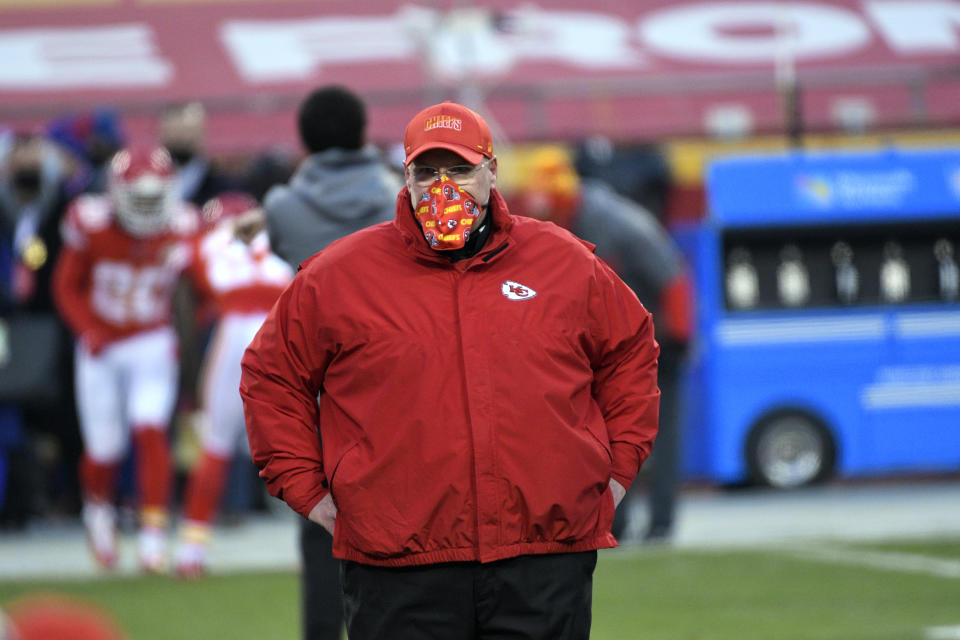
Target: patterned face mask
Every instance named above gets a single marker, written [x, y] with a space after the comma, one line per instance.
[447, 213]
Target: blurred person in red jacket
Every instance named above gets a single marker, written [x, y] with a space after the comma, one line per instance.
[487, 393]
[113, 284]
[639, 249]
[235, 269]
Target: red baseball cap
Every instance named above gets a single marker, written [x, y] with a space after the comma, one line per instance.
[451, 126]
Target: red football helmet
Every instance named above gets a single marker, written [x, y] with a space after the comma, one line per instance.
[230, 204]
[143, 187]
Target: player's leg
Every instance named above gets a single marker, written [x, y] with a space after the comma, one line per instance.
[99, 406]
[220, 427]
[152, 370]
[204, 490]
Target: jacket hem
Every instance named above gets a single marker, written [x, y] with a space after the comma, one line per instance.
[472, 554]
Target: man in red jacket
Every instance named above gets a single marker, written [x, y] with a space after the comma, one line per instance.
[485, 389]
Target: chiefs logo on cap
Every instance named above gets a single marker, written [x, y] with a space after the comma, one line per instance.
[450, 126]
[443, 122]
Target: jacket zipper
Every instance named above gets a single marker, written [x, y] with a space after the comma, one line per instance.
[490, 255]
[457, 280]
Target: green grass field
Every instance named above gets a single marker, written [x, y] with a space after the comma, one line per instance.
[643, 594]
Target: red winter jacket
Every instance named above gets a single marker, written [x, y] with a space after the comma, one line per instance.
[468, 411]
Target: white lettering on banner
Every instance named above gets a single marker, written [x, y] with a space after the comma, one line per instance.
[450, 43]
[918, 27]
[471, 41]
[753, 31]
[476, 40]
[574, 37]
[285, 50]
[454, 43]
[113, 56]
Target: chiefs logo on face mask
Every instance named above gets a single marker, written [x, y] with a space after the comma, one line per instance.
[446, 213]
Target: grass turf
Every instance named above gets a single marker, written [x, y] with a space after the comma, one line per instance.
[638, 594]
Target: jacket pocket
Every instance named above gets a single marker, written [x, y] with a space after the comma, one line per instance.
[331, 477]
[598, 431]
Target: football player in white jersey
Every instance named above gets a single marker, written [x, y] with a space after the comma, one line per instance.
[236, 271]
[113, 284]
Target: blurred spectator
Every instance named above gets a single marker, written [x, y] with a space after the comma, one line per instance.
[341, 187]
[640, 174]
[90, 139]
[114, 285]
[268, 169]
[36, 360]
[11, 447]
[234, 268]
[639, 249]
[32, 200]
[183, 132]
[11, 423]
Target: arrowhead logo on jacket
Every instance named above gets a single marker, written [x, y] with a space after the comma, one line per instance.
[516, 291]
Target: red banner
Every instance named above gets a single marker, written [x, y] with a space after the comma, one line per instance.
[630, 69]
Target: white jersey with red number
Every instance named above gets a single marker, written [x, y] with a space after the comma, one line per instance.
[114, 284]
[238, 277]
[243, 281]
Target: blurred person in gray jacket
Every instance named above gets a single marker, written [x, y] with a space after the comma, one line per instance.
[631, 240]
[342, 186]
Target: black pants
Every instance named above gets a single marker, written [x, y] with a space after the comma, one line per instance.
[321, 600]
[542, 597]
[666, 463]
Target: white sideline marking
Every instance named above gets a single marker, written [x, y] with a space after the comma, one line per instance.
[942, 633]
[887, 560]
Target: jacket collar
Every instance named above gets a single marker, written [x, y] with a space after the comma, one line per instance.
[412, 236]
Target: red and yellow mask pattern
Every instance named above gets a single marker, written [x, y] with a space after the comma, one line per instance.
[446, 213]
